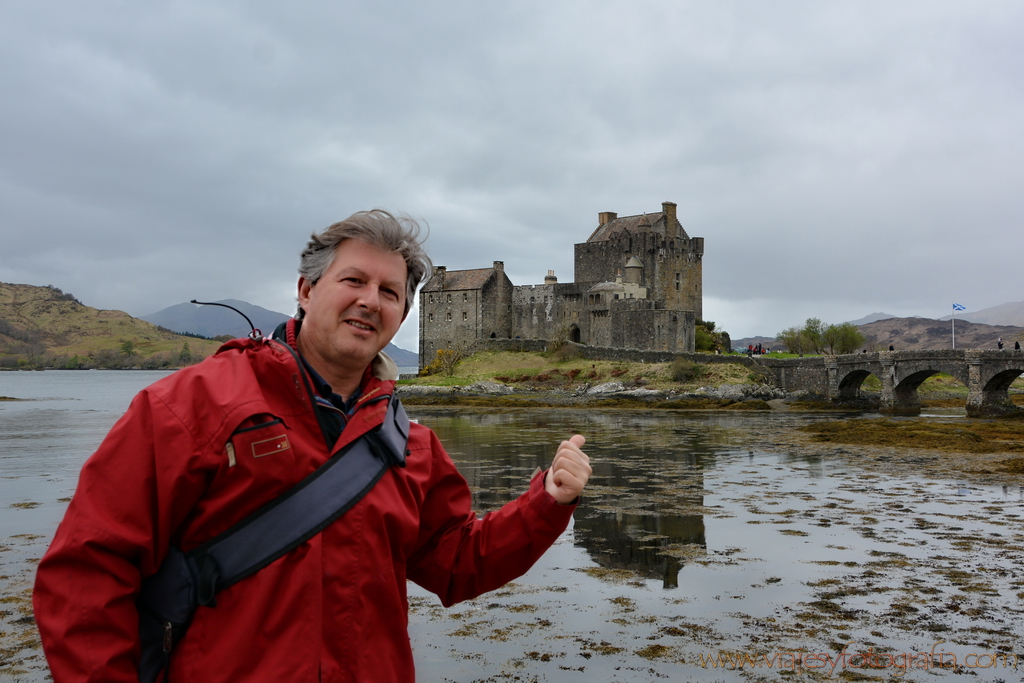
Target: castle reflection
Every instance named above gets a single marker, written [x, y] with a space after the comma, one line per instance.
[643, 507]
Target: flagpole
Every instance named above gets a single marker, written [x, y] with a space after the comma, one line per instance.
[952, 320]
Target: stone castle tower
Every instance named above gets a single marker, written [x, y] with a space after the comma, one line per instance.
[637, 284]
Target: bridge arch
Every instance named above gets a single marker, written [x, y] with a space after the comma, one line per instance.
[989, 395]
[986, 374]
[850, 384]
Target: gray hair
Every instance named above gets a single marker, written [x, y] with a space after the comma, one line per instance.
[378, 228]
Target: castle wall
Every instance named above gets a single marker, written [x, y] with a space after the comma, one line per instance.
[453, 318]
[637, 324]
[672, 266]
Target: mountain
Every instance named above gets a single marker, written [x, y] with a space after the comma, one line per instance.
[924, 333]
[46, 324]
[213, 321]
[872, 317]
[1003, 314]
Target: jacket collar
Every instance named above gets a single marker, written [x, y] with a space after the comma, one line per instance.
[381, 367]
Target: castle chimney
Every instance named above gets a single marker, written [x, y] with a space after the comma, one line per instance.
[499, 266]
[439, 273]
[550, 278]
[606, 217]
[670, 217]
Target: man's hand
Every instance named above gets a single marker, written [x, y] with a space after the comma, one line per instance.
[569, 471]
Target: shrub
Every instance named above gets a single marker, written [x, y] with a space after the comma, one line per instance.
[683, 370]
[567, 352]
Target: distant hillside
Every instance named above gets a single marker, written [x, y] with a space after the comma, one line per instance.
[765, 342]
[1003, 314]
[907, 334]
[872, 317]
[45, 326]
[924, 333]
[213, 321]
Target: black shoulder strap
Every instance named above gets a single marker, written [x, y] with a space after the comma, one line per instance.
[304, 511]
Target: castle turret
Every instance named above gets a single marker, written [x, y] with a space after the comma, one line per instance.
[634, 271]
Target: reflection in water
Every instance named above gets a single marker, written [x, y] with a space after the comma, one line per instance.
[644, 503]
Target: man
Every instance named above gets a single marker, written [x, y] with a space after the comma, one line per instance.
[209, 445]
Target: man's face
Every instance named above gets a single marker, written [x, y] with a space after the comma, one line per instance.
[354, 310]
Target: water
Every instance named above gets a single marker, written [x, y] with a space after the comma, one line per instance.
[690, 542]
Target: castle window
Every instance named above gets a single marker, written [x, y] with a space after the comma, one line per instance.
[464, 315]
[616, 296]
[449, 298]
[431, 298]
[449, 315]
[465, 296]
[430, 317]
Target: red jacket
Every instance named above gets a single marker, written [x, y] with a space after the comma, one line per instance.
[334, 609]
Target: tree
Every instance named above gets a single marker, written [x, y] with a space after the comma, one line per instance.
[793, 338]
[842, 338]
[815, 337]
[702, 339]
[446, 360]
[813, 330]
[706, 339]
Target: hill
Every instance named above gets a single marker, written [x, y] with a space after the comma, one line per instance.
[924, 333]
[213, 321]
[44, 327]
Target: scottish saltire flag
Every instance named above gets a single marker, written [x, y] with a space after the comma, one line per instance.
[958, 307]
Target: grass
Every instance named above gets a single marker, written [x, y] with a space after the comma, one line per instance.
[548, 371]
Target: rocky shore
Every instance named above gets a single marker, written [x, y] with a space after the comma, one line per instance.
[756, 396]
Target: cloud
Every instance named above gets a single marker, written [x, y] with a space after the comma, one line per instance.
[837, 159]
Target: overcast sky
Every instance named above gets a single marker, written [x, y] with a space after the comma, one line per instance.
[838, 158]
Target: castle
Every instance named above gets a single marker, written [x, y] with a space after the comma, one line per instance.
[637, 284]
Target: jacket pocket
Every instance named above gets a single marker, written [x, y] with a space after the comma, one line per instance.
[260, 460]
[267, 438]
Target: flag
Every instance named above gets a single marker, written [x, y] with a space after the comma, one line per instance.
[959, 307]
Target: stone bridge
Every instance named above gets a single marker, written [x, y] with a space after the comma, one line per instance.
[986, 374]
